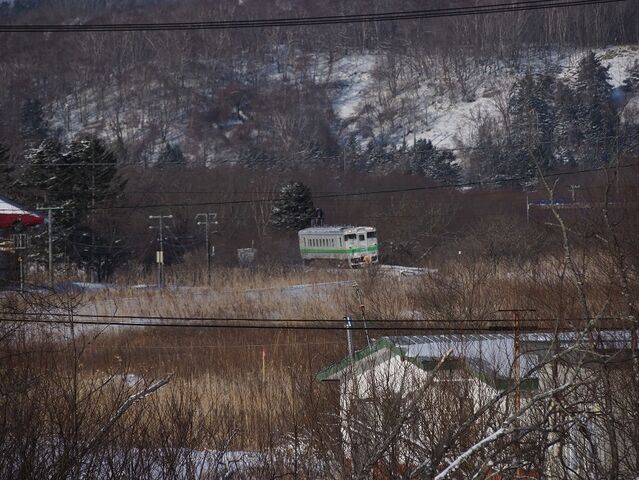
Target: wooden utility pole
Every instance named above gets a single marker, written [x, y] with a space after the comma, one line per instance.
[159, 255]
[49, 211]
[572, 189]
[516, 368]
[207, 219]
[358, 294]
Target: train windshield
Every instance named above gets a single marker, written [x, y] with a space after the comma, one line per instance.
[351, 236]
[371, 234]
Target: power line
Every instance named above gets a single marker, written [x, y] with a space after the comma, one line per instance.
[216, 347]
[265, 322]
[300, 320]
[284, 327]
[477, 183]
[510, 7]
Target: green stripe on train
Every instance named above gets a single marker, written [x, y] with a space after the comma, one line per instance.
[373, 248]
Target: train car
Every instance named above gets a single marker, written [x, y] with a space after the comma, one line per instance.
[352, 246]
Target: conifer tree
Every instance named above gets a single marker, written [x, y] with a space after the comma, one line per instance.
[7, 171]
[596, 115]
[78, 177]
[293, 209]
[426, 160]
[533, 121]
[631, 83]
[171, 156]
[34, 127]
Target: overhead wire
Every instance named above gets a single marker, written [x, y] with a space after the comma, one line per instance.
[258, 319]
[495, 8]
[432, 329]
[441, 186]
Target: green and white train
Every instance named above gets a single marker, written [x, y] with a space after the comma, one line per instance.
[354, 246]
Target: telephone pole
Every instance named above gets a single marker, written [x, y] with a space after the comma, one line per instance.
[572, 189]
[49, 211]
[159, 255]
[358, 294]
[207, 219]
[516, 367]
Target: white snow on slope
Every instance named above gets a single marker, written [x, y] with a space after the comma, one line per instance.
[421, 107]
[444, 120]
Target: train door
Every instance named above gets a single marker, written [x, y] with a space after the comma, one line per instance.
[350, 244]
[371, 243]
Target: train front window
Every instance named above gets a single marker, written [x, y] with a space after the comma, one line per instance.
[362, 238]
[350, 236]
[371, 234]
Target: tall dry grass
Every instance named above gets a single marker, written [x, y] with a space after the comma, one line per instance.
[262, 381]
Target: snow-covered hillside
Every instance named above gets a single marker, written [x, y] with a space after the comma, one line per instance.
[438, 115]
[370, 99]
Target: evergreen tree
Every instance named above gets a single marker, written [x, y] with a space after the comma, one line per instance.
[533, 121]
[424, 159]
[351, 152]
[379, 156]
[293, 209]
[77, 177]
[258, 159]
[631, 83]
[490, 158]
[171, 156]
[566, 129]
[596, 115]
[34, 127]
[7, 171]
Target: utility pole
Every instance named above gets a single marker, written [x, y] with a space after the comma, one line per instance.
[21, 242]
[207, 219]
[349, 335]
[159, 255]
[572, 189]
[49, 211]
[517, 352]
[358, 294]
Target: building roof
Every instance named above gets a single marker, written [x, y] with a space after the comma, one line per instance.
[488, 355]
[11, 214]
[331, 230]
[8, 207]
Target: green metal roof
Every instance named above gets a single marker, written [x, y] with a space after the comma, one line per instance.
[394, 346]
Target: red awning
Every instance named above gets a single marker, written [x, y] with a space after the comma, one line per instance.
[12, 215]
